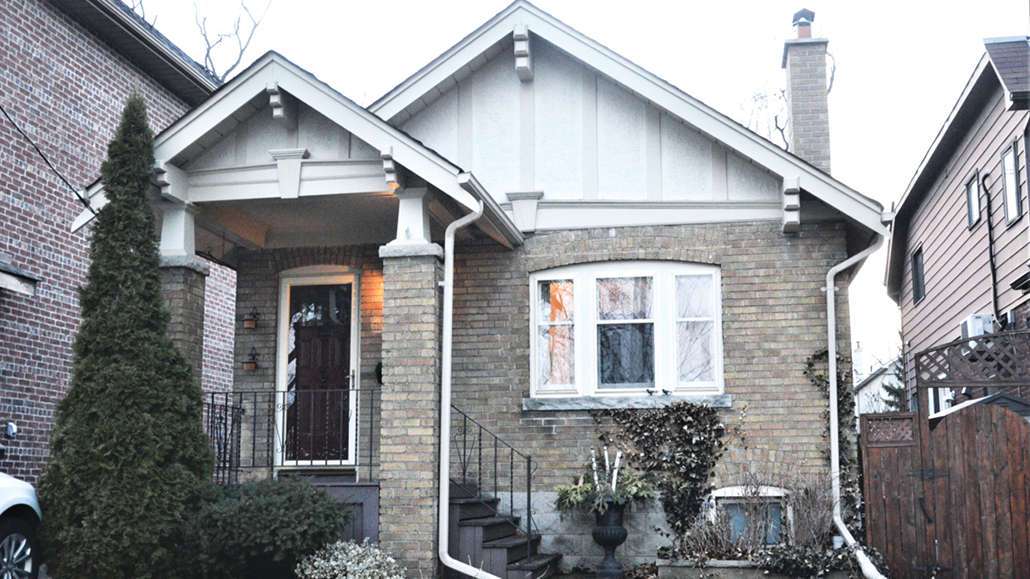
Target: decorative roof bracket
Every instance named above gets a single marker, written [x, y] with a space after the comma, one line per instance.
[284, 107]
[791, 205]
[523, 57]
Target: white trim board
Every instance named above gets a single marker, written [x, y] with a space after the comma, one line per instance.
[422, 87]
[274, 70]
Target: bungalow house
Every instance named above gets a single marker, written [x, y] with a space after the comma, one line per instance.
[443, 285]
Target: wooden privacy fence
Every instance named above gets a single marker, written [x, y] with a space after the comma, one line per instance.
[950, 498]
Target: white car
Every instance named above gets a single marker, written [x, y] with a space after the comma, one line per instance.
[19, 518]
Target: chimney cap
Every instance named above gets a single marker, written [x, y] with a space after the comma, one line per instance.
[803, 17]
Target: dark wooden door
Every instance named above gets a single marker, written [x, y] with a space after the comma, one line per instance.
[318, 400]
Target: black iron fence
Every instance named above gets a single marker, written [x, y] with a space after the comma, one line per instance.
[484, 466]
[254, 430]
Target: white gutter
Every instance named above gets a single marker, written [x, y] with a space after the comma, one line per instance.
[445, 398]
[868, 569]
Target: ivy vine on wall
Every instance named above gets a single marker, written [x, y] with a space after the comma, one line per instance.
[676, 447]
[817, 371]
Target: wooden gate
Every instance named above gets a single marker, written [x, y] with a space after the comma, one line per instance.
[950, 496]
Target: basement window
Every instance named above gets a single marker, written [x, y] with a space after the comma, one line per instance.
[754, 515]
[918, 282]
[973, 201]
[1013, 202]
[626, 328]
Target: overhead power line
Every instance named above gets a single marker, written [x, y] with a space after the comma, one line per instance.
[43, 156]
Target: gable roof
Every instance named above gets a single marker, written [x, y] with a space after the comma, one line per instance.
[216, 115]
[473, 50]
[137, 40]
[1011, 60]
[975, 95]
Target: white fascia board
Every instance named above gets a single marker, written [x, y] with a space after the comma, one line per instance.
[706, 119]
[273, 69]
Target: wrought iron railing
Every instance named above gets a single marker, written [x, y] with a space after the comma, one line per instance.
[485, 466]
[254, 430]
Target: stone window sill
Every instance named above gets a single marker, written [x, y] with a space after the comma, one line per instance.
[608, 402]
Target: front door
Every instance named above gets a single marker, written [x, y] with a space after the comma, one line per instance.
[318, 355]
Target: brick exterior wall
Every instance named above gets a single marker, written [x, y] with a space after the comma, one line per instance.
[807, 101]
[183, 291]
[219, 325]
[410, 412]
[66, 90]
[773, 320]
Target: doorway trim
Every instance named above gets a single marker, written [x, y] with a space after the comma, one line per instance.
[317, 275]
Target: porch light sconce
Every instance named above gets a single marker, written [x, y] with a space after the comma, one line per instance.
[250, 320]
[250, 364]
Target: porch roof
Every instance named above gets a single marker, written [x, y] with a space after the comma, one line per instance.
[273, 76]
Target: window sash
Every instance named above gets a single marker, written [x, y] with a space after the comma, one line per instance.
[664, 324]
[1010, 177]
[918, 281]
[972, 201]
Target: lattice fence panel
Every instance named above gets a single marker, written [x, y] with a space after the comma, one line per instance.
[994, 360]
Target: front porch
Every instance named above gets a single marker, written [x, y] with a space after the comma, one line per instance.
[332, 220]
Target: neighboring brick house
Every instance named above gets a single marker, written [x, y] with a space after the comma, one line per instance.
[632, 247]
[960, 241]
[66, 68]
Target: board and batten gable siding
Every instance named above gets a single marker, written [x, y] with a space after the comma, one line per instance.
[248, 144]
[956, 267]
[576, 135]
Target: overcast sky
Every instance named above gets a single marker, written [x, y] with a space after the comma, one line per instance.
[900, 67]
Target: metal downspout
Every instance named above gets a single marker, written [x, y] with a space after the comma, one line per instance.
[991, 264]
[445, 399]
[868, 569]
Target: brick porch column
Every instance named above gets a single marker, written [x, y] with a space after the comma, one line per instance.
[410, 411]
[182, 282]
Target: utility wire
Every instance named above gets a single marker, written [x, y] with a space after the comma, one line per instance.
[47, 161]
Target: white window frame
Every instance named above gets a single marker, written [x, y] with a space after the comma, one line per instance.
[664, 315]
[972, 190]
[1010, 184]
[317, 275]
[765, 494]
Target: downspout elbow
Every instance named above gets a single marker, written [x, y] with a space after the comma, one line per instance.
[868, 568]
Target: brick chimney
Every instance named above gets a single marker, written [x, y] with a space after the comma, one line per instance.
[808, 127]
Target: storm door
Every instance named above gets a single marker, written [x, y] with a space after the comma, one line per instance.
[318, 355]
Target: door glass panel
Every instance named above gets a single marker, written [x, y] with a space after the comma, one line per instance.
[317, 403]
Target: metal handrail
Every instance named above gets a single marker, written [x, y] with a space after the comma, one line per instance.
[467, 448]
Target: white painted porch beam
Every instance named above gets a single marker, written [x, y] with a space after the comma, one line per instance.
[178, 230]
[173, 181]
[412, 217]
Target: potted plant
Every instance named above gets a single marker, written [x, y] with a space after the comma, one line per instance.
[605, 494]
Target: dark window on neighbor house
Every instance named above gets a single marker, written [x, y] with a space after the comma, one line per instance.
[973, 201]
[1010, 178]
[918, 282]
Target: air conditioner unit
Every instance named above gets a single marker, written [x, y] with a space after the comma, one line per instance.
[977, 325]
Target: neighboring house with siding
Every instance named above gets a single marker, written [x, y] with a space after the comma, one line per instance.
[631, 247]
[960, 240]
[66, 68]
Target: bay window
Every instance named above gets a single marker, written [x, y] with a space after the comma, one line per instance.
[626, 328]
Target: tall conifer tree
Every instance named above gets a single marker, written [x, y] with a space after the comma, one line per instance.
[127, 451]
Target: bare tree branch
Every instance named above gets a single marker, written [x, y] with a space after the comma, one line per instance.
[139, 8]
[211, 42]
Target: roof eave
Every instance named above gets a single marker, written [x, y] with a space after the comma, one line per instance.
[125, 32]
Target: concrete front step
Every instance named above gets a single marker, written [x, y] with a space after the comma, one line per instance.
[538, 566]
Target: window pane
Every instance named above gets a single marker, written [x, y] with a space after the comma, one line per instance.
[972, 202]
[556, 303]
[556, 355]
[918, 281]
[754, 518]
[694, 342]
[624, 298]
[1012, 205]
[694, 296]
[625, 355]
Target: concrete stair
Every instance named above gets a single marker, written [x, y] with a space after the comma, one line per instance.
[486, 539]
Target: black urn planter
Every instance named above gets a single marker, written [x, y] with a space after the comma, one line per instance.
[609, 534]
